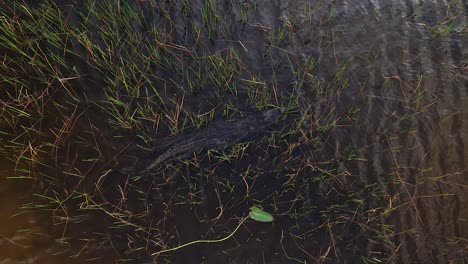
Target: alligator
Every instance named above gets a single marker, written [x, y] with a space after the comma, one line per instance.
[217, 135]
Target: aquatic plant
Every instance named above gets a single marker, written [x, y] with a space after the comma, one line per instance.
[255, 213]
[258, 214]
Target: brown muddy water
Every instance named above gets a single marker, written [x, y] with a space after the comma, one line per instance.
[25, 235]
[390, 75]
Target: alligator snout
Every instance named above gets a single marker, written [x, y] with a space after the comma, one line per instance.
[273, 115]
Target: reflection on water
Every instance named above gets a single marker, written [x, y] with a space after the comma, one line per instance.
[407, 74]
[25, 237]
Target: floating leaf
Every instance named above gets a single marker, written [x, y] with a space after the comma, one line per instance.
[258, 214]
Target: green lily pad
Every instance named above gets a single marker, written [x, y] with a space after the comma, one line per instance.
[258, 214]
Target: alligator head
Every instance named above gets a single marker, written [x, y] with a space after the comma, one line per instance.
[272, 115]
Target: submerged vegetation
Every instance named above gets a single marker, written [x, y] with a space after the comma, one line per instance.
[89, 90]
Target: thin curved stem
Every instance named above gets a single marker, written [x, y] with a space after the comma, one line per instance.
[202, 241]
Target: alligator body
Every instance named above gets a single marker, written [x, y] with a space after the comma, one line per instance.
[218, 135]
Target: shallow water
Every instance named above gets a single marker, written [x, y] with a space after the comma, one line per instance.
[25, 236]
[396, 81]
[411, 87]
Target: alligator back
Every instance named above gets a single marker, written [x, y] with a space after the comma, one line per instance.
[218, 135]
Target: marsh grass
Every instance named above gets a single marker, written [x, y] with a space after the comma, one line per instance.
[89, 90]
[110, 76]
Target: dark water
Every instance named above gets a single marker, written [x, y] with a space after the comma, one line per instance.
[393, 76]
[410, 83]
